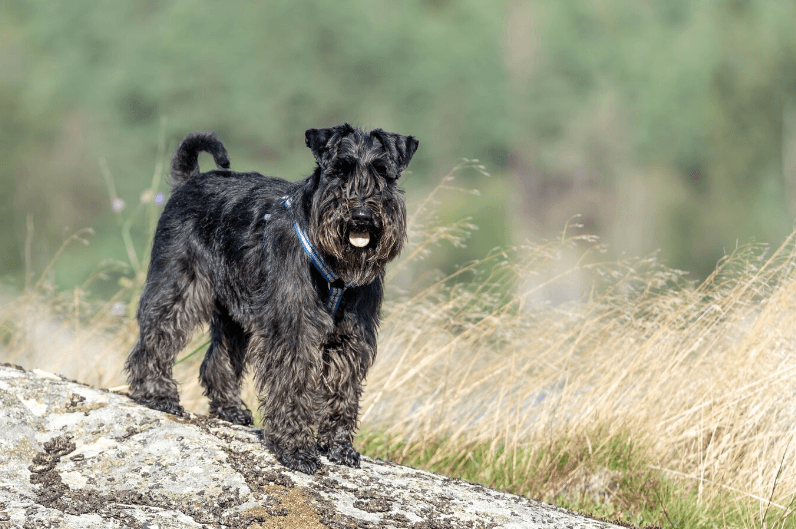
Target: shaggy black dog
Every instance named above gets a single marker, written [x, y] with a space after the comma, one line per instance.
[289, 276]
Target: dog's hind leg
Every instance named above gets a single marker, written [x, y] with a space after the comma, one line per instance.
[223, 369]
[172, 305]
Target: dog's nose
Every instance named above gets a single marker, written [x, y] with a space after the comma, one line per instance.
[362, 214]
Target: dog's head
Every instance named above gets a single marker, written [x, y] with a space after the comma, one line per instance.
[358, 217]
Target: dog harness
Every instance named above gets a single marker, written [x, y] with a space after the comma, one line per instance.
[336, 285]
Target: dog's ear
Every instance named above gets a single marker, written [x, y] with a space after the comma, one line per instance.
[322, 141]
[401, 148]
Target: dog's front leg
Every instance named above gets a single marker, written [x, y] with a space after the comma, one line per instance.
[347, 356]
[287, 363]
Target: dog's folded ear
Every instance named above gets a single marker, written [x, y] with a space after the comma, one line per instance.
[322, 141]
[400, 147]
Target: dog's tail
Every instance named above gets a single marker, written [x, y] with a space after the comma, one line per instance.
[185, 162]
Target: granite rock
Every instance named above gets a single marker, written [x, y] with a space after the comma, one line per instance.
[75, 456]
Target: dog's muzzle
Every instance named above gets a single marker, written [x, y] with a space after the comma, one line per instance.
[358, 234]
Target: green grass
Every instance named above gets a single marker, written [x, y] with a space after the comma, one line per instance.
[609, 477]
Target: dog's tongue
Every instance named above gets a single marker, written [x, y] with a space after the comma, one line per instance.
[360, 239]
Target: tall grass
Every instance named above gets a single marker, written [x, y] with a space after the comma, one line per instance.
[649, 398]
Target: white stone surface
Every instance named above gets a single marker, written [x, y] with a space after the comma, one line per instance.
[74, 456]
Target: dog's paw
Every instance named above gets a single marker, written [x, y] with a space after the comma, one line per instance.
[234, 415]
[301, 459]
[343, 454]
[169, 405]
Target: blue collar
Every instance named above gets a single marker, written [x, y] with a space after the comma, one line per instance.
[335, 292]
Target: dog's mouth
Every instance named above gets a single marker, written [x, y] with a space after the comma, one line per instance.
[362, 235]
[360, 239]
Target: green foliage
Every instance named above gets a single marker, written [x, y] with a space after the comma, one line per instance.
[691, 102]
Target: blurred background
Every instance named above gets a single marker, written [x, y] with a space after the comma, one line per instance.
[666, 124]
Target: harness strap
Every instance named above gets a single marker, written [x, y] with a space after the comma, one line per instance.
[336, 285]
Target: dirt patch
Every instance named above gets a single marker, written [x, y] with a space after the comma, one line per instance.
[294, 511]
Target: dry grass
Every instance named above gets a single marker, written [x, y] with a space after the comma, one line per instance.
[702, 376]
[478, 370]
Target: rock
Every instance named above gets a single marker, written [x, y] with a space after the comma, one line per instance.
[75, 456]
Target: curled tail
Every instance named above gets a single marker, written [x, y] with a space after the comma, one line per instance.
[185, 164]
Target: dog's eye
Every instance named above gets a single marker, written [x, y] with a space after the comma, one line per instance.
[344, 167]
[381, 169]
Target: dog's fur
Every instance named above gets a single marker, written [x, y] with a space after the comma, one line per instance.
[217, 258]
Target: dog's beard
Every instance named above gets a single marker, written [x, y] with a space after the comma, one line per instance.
[359, 251]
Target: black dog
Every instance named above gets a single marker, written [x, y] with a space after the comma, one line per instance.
[289, 275]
